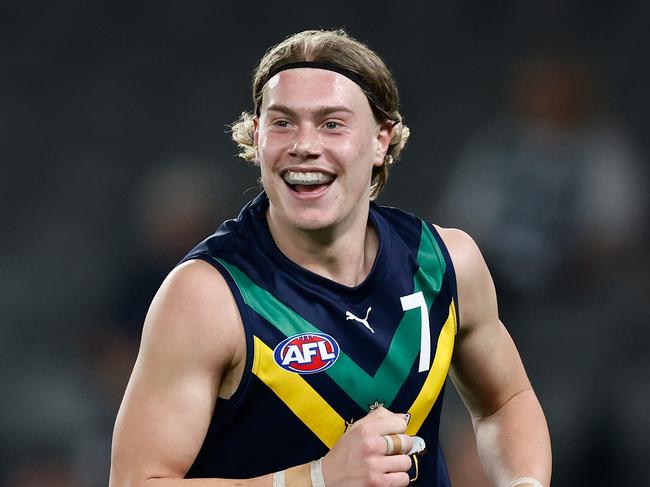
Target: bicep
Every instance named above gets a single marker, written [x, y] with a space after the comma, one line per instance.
[161, 422]
[170, 397]
[486, 367]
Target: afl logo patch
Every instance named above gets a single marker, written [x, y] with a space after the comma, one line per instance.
[307, 353]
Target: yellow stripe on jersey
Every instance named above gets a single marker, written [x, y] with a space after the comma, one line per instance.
[437, 374]
[317, 414]
[307, 404]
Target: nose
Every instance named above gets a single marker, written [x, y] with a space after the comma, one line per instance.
[306, 144]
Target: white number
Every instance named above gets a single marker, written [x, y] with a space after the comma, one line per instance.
[413, 301]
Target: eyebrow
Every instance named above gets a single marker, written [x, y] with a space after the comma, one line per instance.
[320, 111]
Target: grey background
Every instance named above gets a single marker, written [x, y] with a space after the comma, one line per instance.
[96, 99]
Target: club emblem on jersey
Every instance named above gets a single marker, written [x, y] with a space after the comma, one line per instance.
[375, 405]
[364, 321]
[307, 353]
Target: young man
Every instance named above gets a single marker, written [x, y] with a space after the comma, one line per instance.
[308, 341]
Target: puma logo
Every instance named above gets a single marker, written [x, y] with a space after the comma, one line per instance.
[363, 321]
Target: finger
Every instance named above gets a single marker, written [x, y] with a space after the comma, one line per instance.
[384, 426]
[398, 444]
[419, 446]
[380, 412]
[381, 425]
[396, 463]
[377, 413]
[397, 479]
[383, 412]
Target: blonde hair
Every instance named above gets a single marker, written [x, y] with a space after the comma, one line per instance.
[337, 48]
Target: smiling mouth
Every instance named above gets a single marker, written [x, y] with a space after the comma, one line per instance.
[307, 181]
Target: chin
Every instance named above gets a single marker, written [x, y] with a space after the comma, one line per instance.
[312, 221]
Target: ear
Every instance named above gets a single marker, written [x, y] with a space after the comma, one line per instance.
[384, 137]
[256, 137]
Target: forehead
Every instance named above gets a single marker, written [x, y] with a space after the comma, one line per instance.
[314, 88]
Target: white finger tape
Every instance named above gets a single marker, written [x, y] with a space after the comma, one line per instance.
[316, 473]
[418, 446]
[278, 479]
[525, 480]
[390, 447]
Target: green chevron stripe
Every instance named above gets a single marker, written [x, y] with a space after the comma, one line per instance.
[404, 347]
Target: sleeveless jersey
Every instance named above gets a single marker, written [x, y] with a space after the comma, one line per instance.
[320, 355]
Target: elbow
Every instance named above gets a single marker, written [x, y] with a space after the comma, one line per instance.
[525, 395]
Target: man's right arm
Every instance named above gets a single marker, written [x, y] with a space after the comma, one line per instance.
[192, 351]
[192, 340]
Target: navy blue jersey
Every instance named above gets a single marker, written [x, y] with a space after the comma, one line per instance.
[320, 355]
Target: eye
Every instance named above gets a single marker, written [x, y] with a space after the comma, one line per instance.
[281, 123]
[332, 125]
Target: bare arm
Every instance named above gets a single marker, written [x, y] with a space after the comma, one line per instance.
[192, 352]
[192, 343]
[511, 432]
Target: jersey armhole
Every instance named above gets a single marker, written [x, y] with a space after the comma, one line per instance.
[450, 273]
[244, 313]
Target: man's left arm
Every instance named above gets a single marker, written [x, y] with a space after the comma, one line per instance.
[511, 432]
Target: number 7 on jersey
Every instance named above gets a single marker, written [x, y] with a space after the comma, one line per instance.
[413, 301]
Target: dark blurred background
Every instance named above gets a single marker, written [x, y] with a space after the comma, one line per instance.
[529, 128]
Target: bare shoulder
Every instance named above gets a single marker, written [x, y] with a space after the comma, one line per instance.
[194, 313]
[192, 350]
[462, 247]
[476, 294]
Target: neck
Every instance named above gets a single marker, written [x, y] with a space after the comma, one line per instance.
[344, 254]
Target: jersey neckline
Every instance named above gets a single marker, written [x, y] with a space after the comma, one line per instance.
[349, 294]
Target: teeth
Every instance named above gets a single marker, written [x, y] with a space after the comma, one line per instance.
[294, 177]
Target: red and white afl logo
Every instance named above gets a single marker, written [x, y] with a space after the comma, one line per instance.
[307, 353]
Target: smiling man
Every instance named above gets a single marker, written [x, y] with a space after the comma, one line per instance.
[308, 341]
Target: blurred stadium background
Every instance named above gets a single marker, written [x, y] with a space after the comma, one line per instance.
[529, 130]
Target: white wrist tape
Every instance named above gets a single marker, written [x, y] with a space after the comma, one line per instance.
[316, 473]
[524, 480]
[278, 479]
